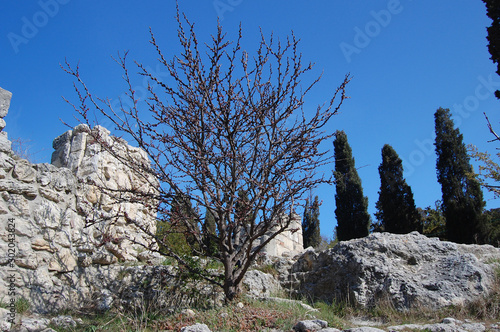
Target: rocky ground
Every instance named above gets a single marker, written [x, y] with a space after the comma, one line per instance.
[68, 323]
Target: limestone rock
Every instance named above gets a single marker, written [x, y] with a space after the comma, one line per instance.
[103, 259]
[51, 195]
[29, 262]
[364, 329]
[260, 284]
[16, 187]
[406, 269]
[41, 244]
[5, 144]
[33, 324]
[196, 328]
[24, 171]
[105, 300]
[310, 325]
[5, 314]
[64, 261]
[66, 322]
[5, 97]
[447, 325]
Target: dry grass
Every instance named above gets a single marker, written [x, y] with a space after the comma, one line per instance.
[257, 315]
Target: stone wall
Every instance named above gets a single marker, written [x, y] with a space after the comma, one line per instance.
[58, 257]
[96, 168]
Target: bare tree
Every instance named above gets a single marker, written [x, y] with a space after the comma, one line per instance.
[224, 122]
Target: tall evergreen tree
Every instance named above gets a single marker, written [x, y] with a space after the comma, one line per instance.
[396, 210]
[353, 220]
[180, 230]
[462, 196]
[493, 12]
[209, 232]
[310, 225]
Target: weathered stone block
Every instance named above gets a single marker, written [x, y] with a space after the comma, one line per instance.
[51, 195]
[24, 171]
[64, 261]
[41, 244]
[5, 144]
[15, 187]
[103, 259]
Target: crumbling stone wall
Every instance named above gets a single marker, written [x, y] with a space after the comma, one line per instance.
[50, 254]
[95, 167]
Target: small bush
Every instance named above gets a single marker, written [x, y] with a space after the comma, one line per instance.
[269, 269]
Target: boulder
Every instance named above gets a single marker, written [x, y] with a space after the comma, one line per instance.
[407, 270]
[310, 325]
[196, 328]
[364, 329]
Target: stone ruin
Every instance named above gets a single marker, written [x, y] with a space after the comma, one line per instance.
[287, 243]
[59, 259]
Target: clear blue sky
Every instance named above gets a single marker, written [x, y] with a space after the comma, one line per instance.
[407, 59]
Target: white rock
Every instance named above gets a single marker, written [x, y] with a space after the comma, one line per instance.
[310, 325]
[66, 322]
[196, 328]
[35, 324]
[260, 284]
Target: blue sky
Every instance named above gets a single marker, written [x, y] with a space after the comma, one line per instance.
[407, 59]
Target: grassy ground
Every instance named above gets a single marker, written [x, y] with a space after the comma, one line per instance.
[255, 315]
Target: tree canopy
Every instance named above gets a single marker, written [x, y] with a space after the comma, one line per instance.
[225, 121]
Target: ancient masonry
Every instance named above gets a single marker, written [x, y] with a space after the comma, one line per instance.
[289, 242]
[58, 259]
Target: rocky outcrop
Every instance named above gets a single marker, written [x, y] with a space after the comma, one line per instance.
[408, 270]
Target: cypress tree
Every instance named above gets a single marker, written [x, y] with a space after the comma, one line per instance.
[493, 12]
[353, 220]
[396, 210]
[310, 225]
[462, 196]
[175, 232]
[209, 231]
